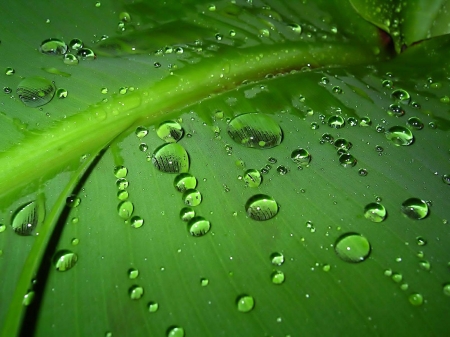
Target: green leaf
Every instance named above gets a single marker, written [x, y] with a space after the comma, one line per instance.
[220, 167]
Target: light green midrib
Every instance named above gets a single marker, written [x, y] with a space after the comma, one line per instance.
[64, 144]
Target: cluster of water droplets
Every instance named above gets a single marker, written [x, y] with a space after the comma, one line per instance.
[71, 53]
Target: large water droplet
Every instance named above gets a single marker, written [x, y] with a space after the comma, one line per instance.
[245, 303]
[375, 212]
[25, 219]
[352, 247]
[261, 207]
[198, 226]
[170, 132]
[171, 158]
[399, 135]
[35, 91]
[64, 260]
[53, 47]
[252, 178]
[415, 208]
[192, 197]
[185, 181]
[255, 130]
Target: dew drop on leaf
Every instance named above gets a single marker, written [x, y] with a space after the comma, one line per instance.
[336, 122]
[185, 181]
[187, 214]
[70, 59]
[416, 299]
[53, 47]
[400, 136]
[347, 160]
[141, 132]
[255, 130]
[277, 259]
[35, 91]
[122, 195]
[120, 171]
[28, 298]
[295, 27]
[192, 197]
[375, 212]
[135, 292]
[25, 219]
[153, 307]
[301, 156]
[136, 222]
[198, 226]
[365, 121]
[421, 241]
[175, 331]
[133, 273]
[125, 209]
[245, 303]
[396, 110]
[2, 228]
[64, 260]
[171, 158]
[76, 44]
[352, 247]
[446, 289]
[204, 282]
[9, 71]
[446, 179]
[401, 96]
[73, 201]
[86, 54]
[342, 143]
[415, 208]
[277, 277]
[252, 178]
[415, 123]
[261, 207]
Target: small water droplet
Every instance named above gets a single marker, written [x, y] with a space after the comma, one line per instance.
[415, 123]
[175, 331]
[282, 170]
[336, 122]
[143, 147]
[53, 47]
[416, 299]
[352, 247]
[397, 277]
[153, 307]
[73, 201]
[425, 265]
[352, 121]
[347, 160]
[125, 209]
[252, 178]
[185, 181]
[387, 84]
[343, 144]
[135, 292]
[401, 96]
[301, 156]
[446, 289]
[363, 172]
[296, 28]
[141, 132]
[337, 89]
[86, 54]
[187, 214]
[2, 228]
[35, 91]
[198, 226]
[70, 59]
[446, 179]
[396, 110]
[277, 259]
[415, 208]
[375, 212]
[75, 44]
[192, 197]
[261, 207]
[9, 71]
[400, 136]
[136, 222]
[365, 121]
[277, 277]
[245, 303]
[204, 282]
[171, 158]
[120, 171]
[64, 260]
[25, 219]
[28, 298]
[170, 132]
[421, 241]
[255, 130]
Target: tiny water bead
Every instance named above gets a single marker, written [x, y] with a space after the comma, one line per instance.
[375, 212]
[28, 298]
[9, 71]
[342, 143]
[277, 259]
[352, 121]
[301, 156]
[327, 138]
[25, 219]
[282, 170]
[64, 260]
[141, 132]
[261, 207]
[363, 172]
[255, 130]
[400, 136]
[347, 160]
[336, 122]
[295, 27]
[421, 241]
[76, 44]
[73, 201]
[446, 179]
[35, 91]
[135, 292]
[245, 303]
[171, 158]
[122, 195]
[53, 46]
[153, 307]
[185, 181]
[387, 84]
[277, 277]
[187, 214]
[120, 171]
[396, 110]
[198, 226]
[337, 89]
[136, 222]
[416, 299]
[175, 331]
[61, 93]
[401, 96]
[70, 59]
[352, 247]
[204, 282]
[365, 121]
[125, 209]
[170, 131]
[415, 208]
[192, 197]
[86, 54]
[252, 178]
[133, 273]
[415, 123]
[122, 184]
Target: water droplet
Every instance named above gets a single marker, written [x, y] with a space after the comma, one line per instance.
[61, 93]
[75, 44]
[187, 214]
[342, 143]
[363, 172]
[175, 331]
[120, 171]
[425, 265]
[86, 54]
[143, 147]
[347, 160]
[35, 91]
[352, 121]
[122, 184]
[170, 132]
[314, 126]
[336, 122]
[171, 158]
[53, 47]
[185, 181]
[141, 132]
[301, 156]
[326, 267]
[255, 130]
[153, 307]
[125, 209]
[446, 179]
[204, 282]
[397, 278]
[365, 121]
[245, 303]
[416, 299]
[401, 96]
[415, 208]
[2, 228]
[64, 260]
[277, 277]
[198, 226]
[133, 273]
[261, 207]
[277, 259]
[75, 242]
[124, 17]
[396, 110]
[135, 292]
[375, 212]
[192, 197]
[70, 59]
[415, 123]
[327, 138]
[25, 220]
[252, 178]
[399, 135]
[421, 241]
[387, 84]
[282, 170]
[296, 28]
[352, 247]
[9, 71]
[136, 222]
[337, 89]
[446, 289]
[122, 195]
[73, 201]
